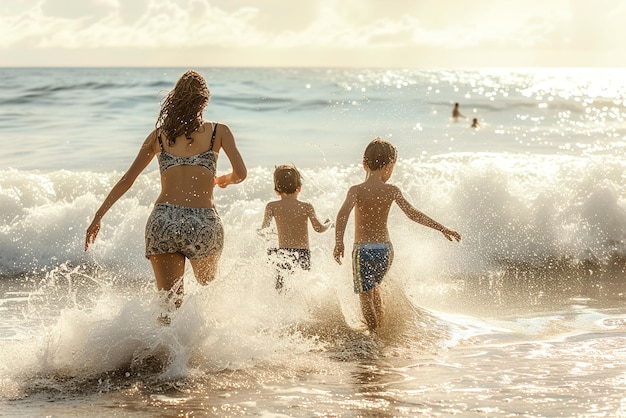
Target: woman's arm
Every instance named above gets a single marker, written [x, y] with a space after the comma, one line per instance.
[145, 155]
[240, 171]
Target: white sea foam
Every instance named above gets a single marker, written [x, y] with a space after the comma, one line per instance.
[509, 208]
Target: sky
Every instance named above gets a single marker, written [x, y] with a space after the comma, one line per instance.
[313, 33]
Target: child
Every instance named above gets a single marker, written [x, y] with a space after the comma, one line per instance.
[373, 252]
[291, 216]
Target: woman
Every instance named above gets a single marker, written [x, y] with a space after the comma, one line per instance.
[184, 223]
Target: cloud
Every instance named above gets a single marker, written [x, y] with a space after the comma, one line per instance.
[337, 27]
[346, 24]
[71, 9]
[158, 23]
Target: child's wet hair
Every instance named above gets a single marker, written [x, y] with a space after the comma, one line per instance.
[379, 153]
[287, 179]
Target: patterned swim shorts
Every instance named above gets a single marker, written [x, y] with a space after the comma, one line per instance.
[370, 263]
[285, 260]
[193, 232]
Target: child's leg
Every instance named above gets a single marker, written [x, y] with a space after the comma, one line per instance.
[378, 306]
[371, 308]
[280, 280]
[168, 273]
[285, 261]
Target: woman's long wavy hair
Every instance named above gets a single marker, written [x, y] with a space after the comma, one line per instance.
[181, 110]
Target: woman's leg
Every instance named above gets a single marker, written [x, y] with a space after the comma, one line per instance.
[205, 269]
[168, 272]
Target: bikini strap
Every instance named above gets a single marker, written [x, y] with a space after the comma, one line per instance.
[160, 141]
[213, 137]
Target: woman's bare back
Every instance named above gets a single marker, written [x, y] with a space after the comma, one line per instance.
[189, 185]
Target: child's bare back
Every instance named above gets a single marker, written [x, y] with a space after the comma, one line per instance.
[292, 218]
[372, 201]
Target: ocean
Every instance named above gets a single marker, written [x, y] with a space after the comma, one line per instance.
[526, 316]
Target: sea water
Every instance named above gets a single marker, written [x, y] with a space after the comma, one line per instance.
[524, 317]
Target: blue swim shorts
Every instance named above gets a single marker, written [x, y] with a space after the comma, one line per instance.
[370, 263]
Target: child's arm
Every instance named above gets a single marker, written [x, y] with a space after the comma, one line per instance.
[263, 232]
[318, 226]
[341, 222]
[267, 217]
[419, 217]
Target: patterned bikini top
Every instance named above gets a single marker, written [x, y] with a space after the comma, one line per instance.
[206, 159]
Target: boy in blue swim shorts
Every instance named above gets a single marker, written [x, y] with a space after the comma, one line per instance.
[373, 253]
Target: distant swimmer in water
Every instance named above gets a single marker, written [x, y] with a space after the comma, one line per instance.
[474, 123]
[372, 253]
[456, 113]
[184, 223]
